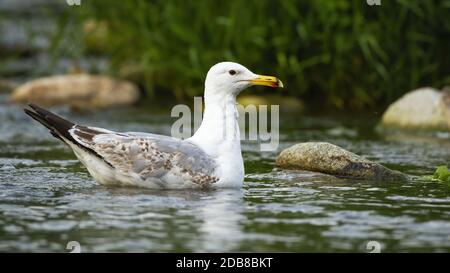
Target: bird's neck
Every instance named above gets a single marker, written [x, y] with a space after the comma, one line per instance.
[219, 137]
[220, 127]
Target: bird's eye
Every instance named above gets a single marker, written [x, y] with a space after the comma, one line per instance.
[232, 72]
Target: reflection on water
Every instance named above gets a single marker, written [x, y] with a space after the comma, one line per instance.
[47, 198]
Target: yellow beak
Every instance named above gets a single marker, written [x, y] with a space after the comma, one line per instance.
[267, 81]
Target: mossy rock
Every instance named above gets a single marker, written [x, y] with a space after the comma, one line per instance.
[327, 158]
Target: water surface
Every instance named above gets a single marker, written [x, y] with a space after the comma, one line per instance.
[47, 198]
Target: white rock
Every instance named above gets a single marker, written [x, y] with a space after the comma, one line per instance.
[445, 104]
[419, 109]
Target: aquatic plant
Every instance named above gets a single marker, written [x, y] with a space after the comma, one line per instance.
[442, 173]
[335, 53]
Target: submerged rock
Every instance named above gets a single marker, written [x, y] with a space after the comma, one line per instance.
[330, 159]
[423, 109]
[77, 90]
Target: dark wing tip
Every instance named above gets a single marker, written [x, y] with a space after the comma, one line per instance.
[32, 106]
[50, 120]
[59, 127]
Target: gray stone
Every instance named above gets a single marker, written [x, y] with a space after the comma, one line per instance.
[327, 158]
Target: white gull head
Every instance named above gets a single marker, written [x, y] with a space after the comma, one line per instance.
[228, 78]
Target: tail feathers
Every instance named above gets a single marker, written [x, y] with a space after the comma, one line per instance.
[43, 122]
[58, 126]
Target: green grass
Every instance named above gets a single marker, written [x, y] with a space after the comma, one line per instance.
[340, 53]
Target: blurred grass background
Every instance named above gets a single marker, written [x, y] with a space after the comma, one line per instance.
[329, 53]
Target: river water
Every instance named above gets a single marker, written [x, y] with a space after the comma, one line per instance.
[47, 198]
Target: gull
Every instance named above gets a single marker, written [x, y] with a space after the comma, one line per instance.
[211, 158]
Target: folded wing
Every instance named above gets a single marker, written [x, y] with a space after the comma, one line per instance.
[141, 157]
[154, 158]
